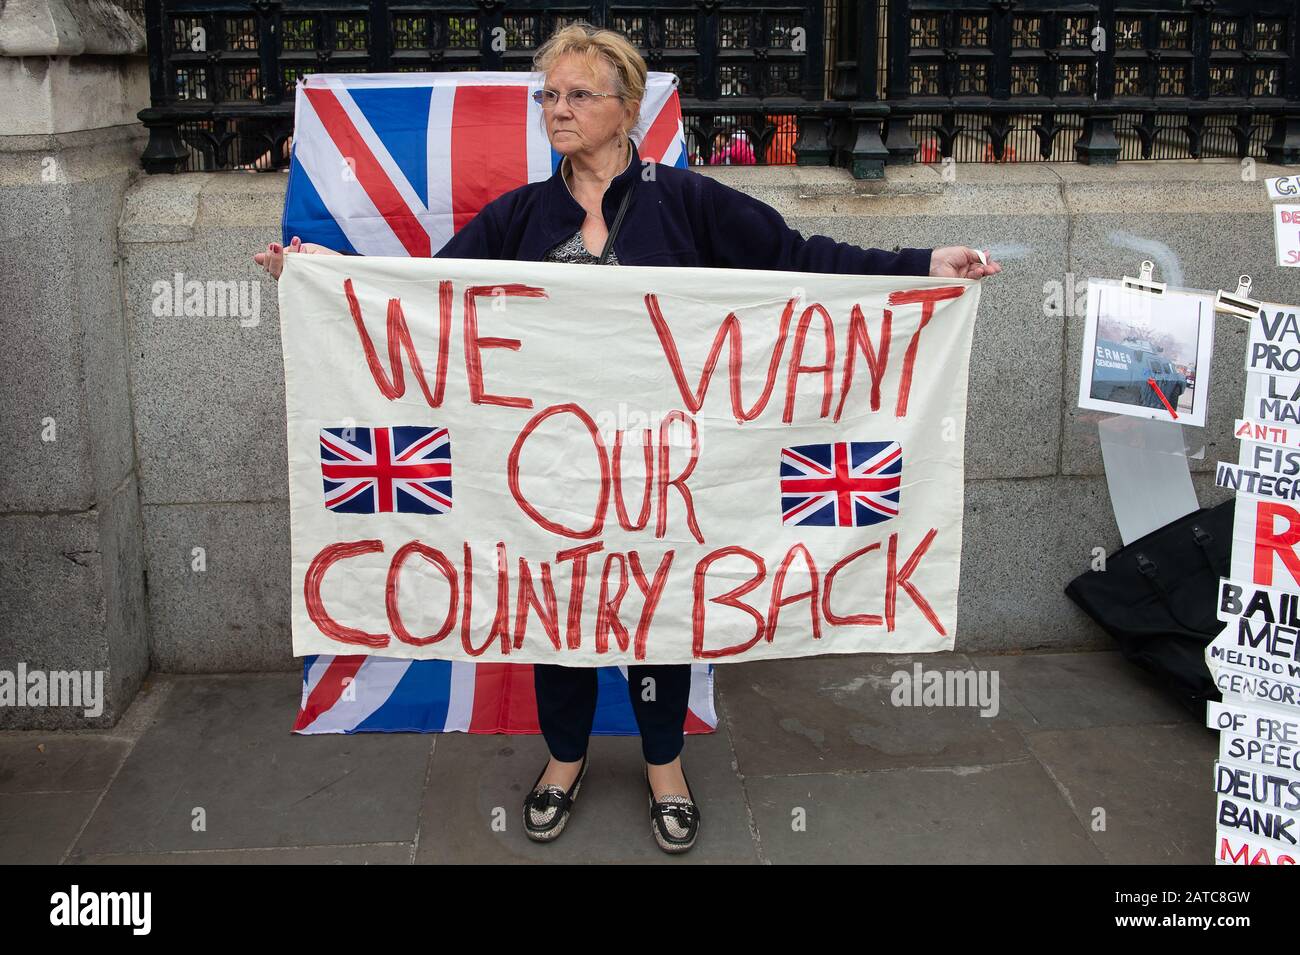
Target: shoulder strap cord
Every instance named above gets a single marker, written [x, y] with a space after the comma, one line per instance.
[613, 231]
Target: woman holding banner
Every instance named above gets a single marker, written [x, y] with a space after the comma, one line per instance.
[605, 205]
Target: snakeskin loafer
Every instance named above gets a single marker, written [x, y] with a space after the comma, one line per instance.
[674, 820]
[547, 808]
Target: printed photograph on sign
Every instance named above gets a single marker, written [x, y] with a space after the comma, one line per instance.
[1146, 355]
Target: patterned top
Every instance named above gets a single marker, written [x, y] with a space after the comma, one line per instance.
[575, 250]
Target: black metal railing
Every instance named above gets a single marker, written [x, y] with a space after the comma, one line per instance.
[1111, 80]
[857, 84]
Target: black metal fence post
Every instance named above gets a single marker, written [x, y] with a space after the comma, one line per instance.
[708, 46]
[812, 145]
[1199, 84]
[899, 144]
[268, 47]
[813, 86]
[1283, 146]
[1098, 145]
[867, 155]
[165, 151]
[858, 144]
[380, 42]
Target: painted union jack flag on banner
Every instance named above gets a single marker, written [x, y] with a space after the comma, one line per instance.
[844, 484]
[382, 470]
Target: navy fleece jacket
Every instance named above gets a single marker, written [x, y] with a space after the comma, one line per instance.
[678, 217]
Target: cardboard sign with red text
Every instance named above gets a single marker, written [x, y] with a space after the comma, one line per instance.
[503, 461]
[1255, 659]
[1266, 529]
[1286, 234]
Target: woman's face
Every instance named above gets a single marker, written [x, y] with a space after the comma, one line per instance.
[585, 129]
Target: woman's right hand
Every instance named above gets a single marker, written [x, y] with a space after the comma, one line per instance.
[961, 262]
[272, 260]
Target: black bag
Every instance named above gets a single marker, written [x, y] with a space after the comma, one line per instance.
[1157, 598]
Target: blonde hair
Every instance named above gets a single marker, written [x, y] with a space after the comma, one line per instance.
[594, 45]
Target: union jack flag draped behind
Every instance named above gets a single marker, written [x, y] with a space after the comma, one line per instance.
[395, 164]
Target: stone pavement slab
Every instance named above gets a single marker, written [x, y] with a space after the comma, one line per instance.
[223, 745]
[834, 714]
[54, 763]
[1009, 813]
[1155, 785]
[1044, 691]
[50, 783]
[396, 853]
[472, 807]
[39, 828]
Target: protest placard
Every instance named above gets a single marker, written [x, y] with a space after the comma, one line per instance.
[1262, 632]
[1232, 847]
[1272, 399]
[1274, 344]
[1254, 659]
[1263, 786]
[1250, 718]
[1283, 187]
[1246, 817]
[1266, 530]
[1286, 234]
[537, 463]
[1247, 750]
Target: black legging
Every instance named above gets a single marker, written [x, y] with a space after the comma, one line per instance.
[566, 708]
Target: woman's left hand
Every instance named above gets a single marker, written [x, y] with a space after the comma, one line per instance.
[272, 260]
[960, 262]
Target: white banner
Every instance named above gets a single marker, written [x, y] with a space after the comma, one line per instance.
[522, 462]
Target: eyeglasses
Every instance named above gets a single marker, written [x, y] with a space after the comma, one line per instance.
[577, 99]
